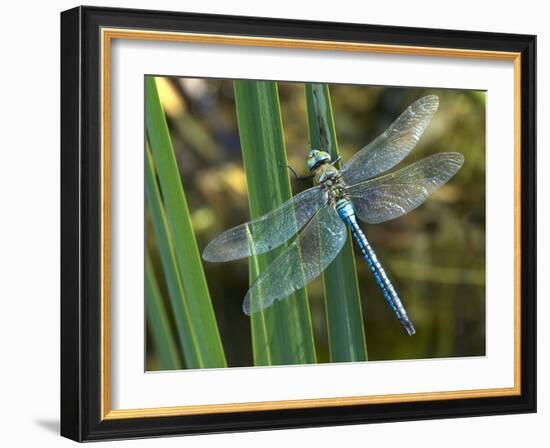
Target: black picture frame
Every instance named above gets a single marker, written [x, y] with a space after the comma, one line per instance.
[81, 224]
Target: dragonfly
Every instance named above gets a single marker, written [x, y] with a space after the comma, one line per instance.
[318, 218]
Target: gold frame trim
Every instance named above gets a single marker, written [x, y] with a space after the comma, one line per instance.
[107, 35]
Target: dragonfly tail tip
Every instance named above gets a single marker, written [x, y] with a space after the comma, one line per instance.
[409, 328]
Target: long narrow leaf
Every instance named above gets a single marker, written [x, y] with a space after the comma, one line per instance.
[157, 321]
[283, 333]
[181, 230]
[342, 300]
[178, 301]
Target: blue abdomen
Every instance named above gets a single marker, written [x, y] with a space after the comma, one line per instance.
[347, 214]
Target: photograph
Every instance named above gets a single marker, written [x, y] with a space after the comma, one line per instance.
[300, 223]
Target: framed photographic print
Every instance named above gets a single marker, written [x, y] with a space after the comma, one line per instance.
[272, 224]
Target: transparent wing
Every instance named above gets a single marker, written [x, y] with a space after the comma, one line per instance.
[268, 231]
[303, 260]
[393, 195]
[388, 149]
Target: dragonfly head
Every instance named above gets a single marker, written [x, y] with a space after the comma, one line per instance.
[315, 158]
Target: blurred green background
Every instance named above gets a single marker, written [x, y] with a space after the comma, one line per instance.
[434, 255]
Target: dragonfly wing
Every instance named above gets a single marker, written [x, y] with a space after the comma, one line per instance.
[303, 260]
[393, 195]
[388, 149]
[267, 232]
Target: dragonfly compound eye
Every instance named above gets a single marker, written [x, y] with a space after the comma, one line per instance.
[316, 158]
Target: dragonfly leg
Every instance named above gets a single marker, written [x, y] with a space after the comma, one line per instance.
[293, 171]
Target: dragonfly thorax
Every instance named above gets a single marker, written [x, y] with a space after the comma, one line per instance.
[330, 180]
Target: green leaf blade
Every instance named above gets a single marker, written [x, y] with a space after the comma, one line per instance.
[282, 334]
[189, 264]
[157, 320]
[342, 300]
[178, 302]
